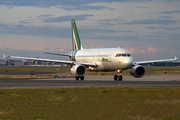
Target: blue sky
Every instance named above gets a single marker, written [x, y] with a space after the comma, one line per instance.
[149, 29]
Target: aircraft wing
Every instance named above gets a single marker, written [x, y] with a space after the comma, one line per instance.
[154, 61]
[61, 54]
[87, 64]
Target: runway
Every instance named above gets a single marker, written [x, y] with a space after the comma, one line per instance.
[165, 80]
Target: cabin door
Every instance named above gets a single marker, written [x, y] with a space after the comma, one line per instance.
[110, 60]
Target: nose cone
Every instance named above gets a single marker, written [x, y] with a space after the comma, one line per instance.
[128, 62]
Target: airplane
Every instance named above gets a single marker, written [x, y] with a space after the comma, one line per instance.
[101, 59]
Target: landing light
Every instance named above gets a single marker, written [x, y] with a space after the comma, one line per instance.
[118, 71]
[90, 68]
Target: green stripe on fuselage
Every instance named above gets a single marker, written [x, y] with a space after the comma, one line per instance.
[72, 55]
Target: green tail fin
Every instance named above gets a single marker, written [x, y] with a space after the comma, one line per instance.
[76, 43]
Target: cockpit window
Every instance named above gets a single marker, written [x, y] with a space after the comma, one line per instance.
[118, 55]
[128, 55]
[123, 55]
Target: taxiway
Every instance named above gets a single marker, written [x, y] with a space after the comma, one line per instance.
[153, 80]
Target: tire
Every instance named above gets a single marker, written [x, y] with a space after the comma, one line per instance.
[115, 77]
[120, 78]
[82, 78]
[77, 78]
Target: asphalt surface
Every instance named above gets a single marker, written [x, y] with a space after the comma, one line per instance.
[164, 80]
[25, 73]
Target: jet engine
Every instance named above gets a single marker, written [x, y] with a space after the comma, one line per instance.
[78, 70]
[137, 71]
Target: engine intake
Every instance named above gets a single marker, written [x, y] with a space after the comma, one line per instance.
[137, 71]
[78, 70]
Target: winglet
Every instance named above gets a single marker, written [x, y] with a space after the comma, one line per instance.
[176, 58]
[4, 56]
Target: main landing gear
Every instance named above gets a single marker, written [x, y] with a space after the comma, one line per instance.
[118, 76]
[82, 78]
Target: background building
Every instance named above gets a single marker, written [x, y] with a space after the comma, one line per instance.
[13, 62]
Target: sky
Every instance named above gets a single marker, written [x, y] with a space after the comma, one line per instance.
[148, 29]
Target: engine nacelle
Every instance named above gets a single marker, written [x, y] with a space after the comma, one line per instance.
[137, 71]
[78, 70]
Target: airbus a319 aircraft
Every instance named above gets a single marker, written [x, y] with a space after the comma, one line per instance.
[104, 59]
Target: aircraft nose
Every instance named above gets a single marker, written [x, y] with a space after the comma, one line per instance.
[128, 62]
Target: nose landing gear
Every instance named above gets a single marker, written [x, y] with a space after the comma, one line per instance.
[118, 76]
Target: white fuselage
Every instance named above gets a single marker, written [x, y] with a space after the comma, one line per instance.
[107, 59]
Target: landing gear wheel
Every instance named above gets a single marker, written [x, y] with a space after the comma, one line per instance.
[77, 78]
[82, 78]
[120, 78]
[115, 77]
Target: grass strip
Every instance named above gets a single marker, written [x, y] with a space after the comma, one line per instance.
[90, 103]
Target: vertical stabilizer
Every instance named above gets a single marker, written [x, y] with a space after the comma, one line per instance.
[76, 43]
